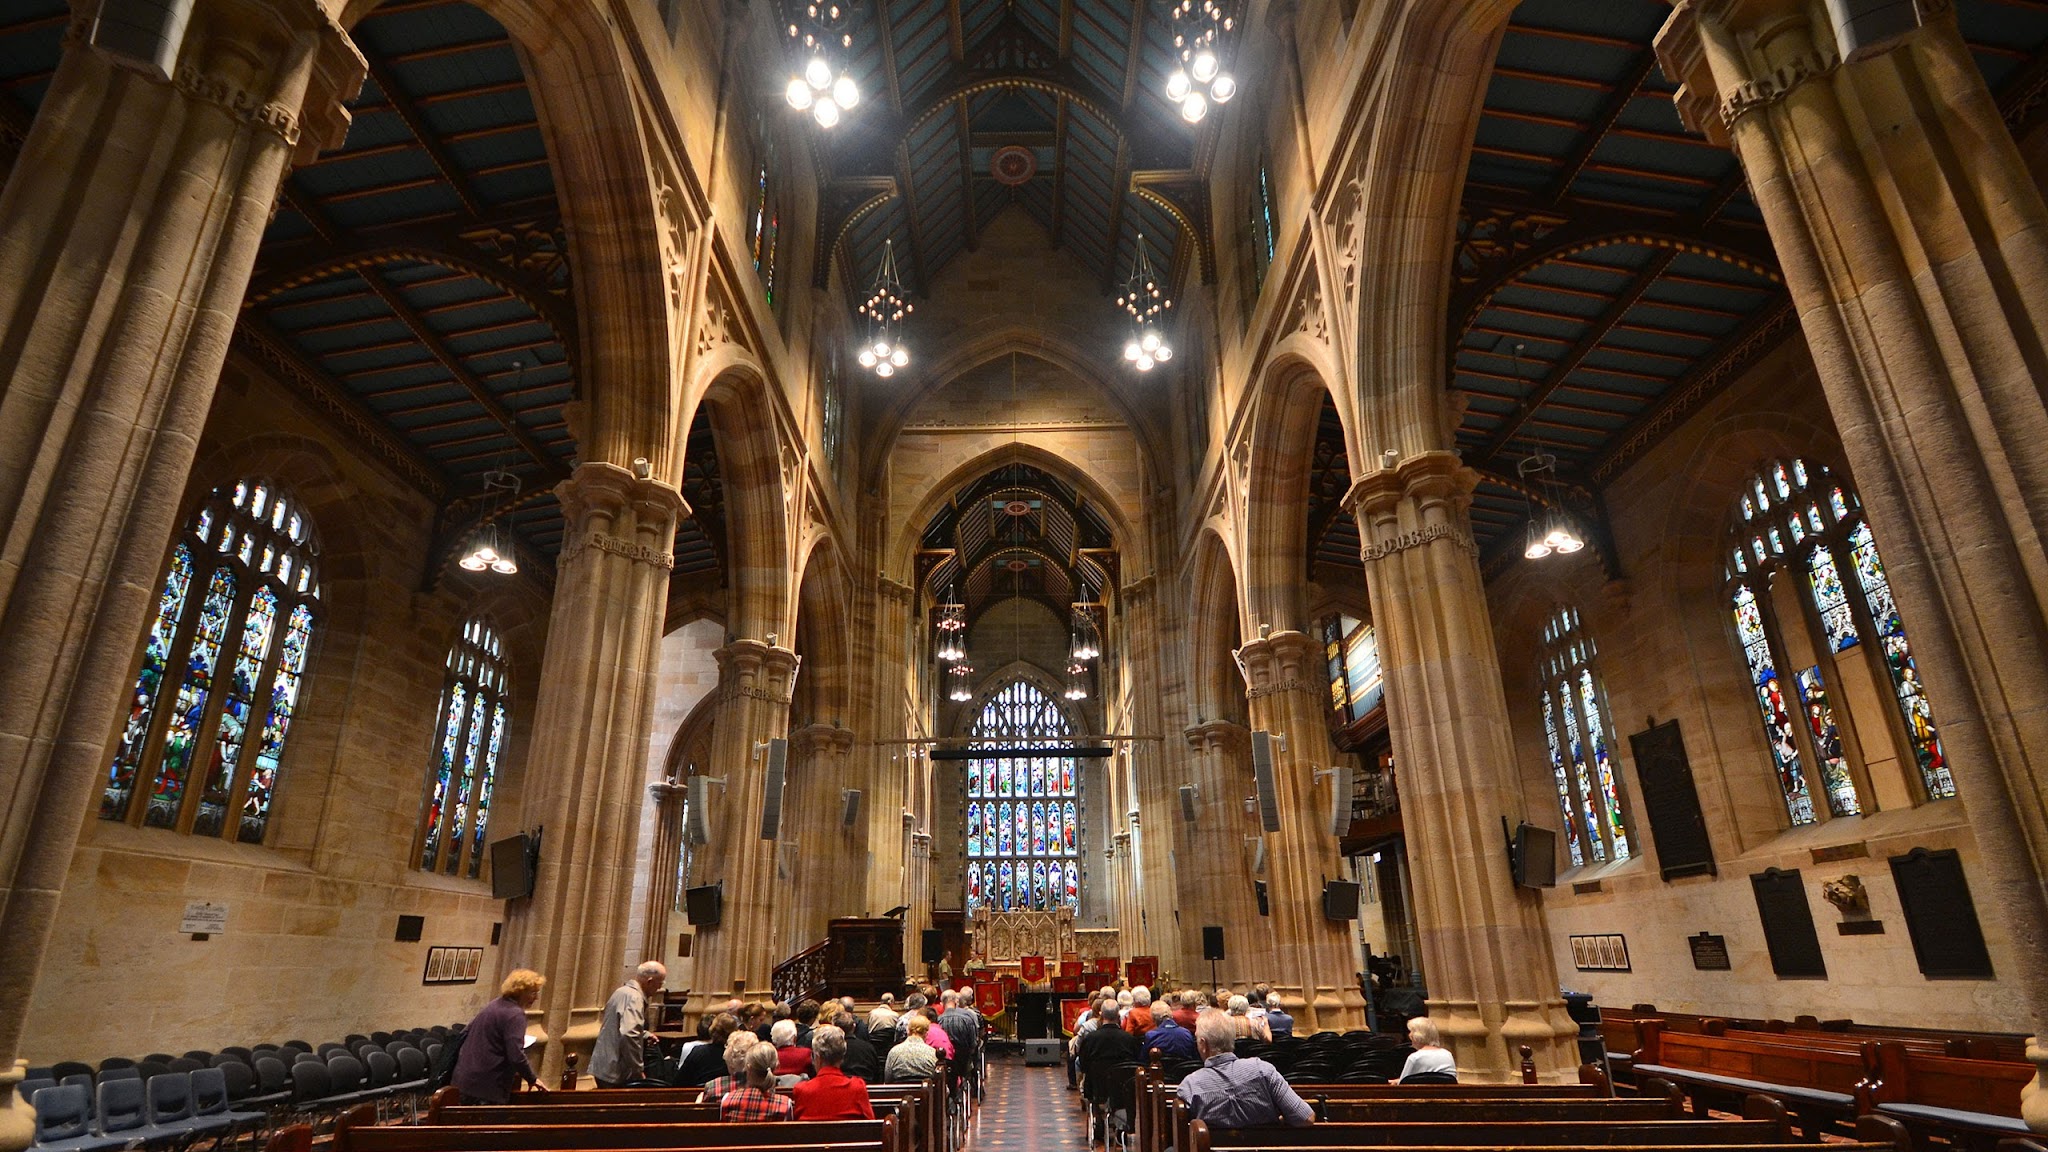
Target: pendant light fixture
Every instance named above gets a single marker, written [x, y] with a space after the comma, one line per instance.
[490, 546]
[823, 35]
[952, 627]
[886, 308]
[1144, 301]
[961, 691]
[1553, 531]
[1200, 79]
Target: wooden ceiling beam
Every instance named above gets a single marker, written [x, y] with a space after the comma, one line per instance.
[450, 362]
[885, 32]
[409, 111]
[1119, 191]
[1567, 364]
[1059, 166]
[1575, 161]
[973, 229]
[916, 218]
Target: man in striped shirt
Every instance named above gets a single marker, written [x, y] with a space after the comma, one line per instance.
[1228, 1092]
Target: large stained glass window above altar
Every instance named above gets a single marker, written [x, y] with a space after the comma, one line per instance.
[1023, 812]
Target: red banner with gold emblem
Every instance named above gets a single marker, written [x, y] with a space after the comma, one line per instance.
[1032, 968]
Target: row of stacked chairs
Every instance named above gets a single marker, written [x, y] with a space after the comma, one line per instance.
[162, 1100]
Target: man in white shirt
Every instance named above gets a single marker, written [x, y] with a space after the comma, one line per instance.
[883, 1019]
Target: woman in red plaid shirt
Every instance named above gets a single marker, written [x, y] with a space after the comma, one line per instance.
[737, 1046]
[757, 1101]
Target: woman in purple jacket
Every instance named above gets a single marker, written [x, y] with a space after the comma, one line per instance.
[493, 1058]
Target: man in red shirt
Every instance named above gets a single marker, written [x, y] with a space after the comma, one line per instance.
[831, 1094]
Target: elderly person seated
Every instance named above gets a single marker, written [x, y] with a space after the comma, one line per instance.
[831, 1094]
[1139, 1020]
[1104, 1048]
[737, 1046]
[704, 1062]
[1232, 1092]
[914, 1058]
[937, 1036]
[1429, 1063]
[757, 1098]
[883, 1018]
[791, 1058]
[1170, 1040]
[1246, 1024]
[1278, 1022]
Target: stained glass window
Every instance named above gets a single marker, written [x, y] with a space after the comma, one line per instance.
[1580, 737]
[1023, 821]
[1829, 539]
[215, 675]
[1353, 655]
[474, 714]
[765, 227]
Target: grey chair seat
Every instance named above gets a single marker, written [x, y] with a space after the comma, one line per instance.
[1957, 1118]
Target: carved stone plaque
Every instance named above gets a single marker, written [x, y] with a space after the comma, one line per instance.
[1673, 804]
[1788, 925]
[1940, 917]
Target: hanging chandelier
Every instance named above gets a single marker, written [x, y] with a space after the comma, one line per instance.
[1076, 689]
[1553, 531]
[824, 33]
[1200, 80]
[1145, 302]
[490, 546]
[1084, 647]
[885, 308]
[961, 690]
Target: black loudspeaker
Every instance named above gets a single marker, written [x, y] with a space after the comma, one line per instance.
[934, 945]
[776, 772]
[1259, 891]
[411, 928]
[1212, 942]
[1340, 900]
[704, 905]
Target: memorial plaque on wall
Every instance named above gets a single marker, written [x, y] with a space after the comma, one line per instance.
[1940, 917]
[1788, 924]
[1709, 952]
[1671, 802]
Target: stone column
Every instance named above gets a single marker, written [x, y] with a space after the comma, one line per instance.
[1287, 685]
[1492, 984]
[1212, 859]
[1915, 245]
[828, 860]
[127, 234]
[738, 957]
[587, 765]
[1158, 778]
[663, 859]
[888, 766]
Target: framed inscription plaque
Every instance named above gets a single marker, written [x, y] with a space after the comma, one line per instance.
[1940, 917]
[1788, 925]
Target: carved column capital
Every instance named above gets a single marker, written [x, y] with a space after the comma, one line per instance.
[1420, 499]
[812, 739]
[1283, 662]
[755, 669]
[895, 590]
[1218, 735]
[609, 509]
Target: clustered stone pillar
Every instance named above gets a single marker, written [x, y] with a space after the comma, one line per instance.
[1151, 931]
[736, 958]
[823, 852]
[587, 764]
[663, 859]
[1311, 956]
[127, 237]
[1212, 872]
[1492, 983]
[1915, 246]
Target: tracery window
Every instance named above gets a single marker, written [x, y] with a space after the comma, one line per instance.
[1023, 813]
[1862, 715]
[1262, 233]
[1356, 684]
[764, 230]
[1581, 740]
[474, 716]
[239, 598]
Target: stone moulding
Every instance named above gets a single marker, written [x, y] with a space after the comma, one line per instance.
[605, 542]
[1381, 549]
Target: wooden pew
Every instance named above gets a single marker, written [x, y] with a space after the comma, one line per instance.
[1528, 1133]
[358, 1132]
[1970, 1104]
[1873, 1134]
[915, 1104]
[1408, 1104]
[1820, 1085]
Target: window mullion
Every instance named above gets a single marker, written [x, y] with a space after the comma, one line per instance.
[1788, 686]
[177, 666]
[259, 718]
[200, 768]
[483, 766]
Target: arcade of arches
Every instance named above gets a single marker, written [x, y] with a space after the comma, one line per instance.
[431, 421]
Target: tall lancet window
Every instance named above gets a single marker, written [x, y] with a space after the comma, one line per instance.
[222, 668]
[474, 715]
[1023, 813]
[1582, 757]
[1844, 711]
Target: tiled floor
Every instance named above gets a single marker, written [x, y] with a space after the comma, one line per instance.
[1027, 1110]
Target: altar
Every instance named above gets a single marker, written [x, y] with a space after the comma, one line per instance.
[998, 941]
